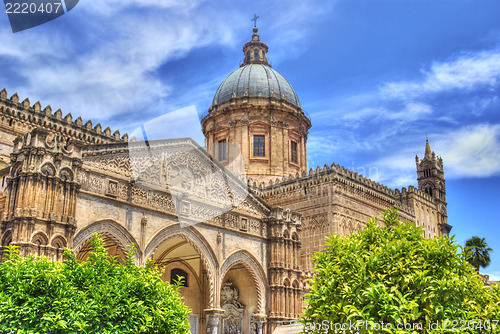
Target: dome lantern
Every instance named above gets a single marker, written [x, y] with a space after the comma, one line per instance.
[255, 51]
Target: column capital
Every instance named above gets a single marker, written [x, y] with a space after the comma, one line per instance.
[213, 320]
[260, 318]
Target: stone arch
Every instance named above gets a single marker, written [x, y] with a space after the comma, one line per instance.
[286, 282]
[48, 169]
[108, 228]
[16, 169]
[58, 240]
[258, 275]
[41, 241]
[428, 187]
[200, 244]
[39, 236]
[66, 174]
[7, 238]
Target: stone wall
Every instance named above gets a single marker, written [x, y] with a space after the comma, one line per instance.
[337, 200]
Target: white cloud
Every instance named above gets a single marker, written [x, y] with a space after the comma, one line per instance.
[113, 76]
[465, 72]
[295, 21]
[111, 7]
[471, 151]
[368, 112]
[409, 112]
[398, 168]
[175, 124]
[111, 69]
[406, 101]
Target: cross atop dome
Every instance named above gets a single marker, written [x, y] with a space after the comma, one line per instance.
[255, 17]
[255, 51]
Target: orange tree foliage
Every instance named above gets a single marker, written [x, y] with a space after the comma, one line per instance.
[99, 295]
[389, 275]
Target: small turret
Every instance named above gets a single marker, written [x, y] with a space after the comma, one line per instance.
[428, 151]
[255, 51]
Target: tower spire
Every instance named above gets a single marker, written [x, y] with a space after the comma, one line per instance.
[428, 151]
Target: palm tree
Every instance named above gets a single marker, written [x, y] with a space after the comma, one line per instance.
[479, 252]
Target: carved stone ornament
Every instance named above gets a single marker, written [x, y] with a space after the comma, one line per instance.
[244, 224]
[112, 188]
[232, 320]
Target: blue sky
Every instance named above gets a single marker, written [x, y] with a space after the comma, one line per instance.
[375, 76]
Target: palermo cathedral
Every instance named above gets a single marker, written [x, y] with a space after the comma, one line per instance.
[239, 219]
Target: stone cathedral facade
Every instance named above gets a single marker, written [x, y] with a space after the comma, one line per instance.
[243, 244]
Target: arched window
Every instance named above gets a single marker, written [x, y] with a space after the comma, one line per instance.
[177, 275]
[248, 55]
[7, 239]
[256, 55]
[263, 55]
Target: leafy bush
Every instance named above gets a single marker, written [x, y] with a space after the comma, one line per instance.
[99, 295]
[391, 274]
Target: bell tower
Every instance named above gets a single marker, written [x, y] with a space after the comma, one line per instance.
[430, 177]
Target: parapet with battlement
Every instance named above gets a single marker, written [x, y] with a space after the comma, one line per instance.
[18, 118]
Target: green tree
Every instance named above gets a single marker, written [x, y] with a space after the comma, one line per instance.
[99, 295]
[390, 274]
[479, 252]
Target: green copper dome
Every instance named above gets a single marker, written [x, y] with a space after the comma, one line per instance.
[255, 80]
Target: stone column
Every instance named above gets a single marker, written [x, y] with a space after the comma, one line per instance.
[144, 223]
[260, 320]
[245, 154]
[303, 154]
[213, 320]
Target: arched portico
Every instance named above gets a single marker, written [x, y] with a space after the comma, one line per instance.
[116, 239]
[198, 242]
[244, 286]
[183, 251]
